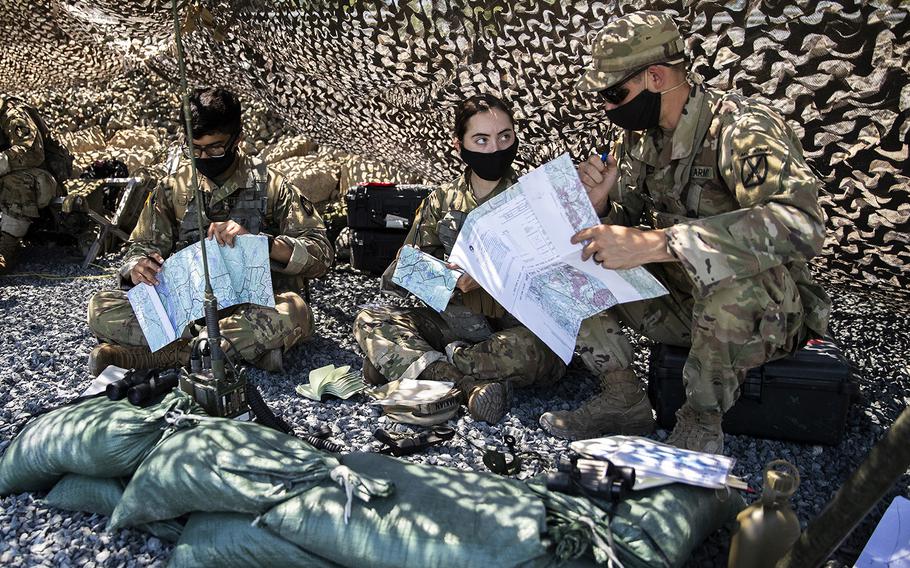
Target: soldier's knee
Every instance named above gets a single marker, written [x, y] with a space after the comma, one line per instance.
[99, 308]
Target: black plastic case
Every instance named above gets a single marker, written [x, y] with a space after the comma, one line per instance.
[384, 206]
[373, 251]
[803, 398]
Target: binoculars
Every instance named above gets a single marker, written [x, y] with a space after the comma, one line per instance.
[140, 386]
[587, 477]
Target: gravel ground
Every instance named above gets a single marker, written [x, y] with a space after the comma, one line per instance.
[44, 343]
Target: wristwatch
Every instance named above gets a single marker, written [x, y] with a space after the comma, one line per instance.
[271, 241]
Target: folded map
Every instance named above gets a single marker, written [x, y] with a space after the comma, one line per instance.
[426, 277]
[240, 274]
[329, 380]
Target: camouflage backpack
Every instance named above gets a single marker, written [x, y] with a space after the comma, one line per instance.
[58, 160]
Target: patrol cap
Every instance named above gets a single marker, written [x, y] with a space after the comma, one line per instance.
[628, 44]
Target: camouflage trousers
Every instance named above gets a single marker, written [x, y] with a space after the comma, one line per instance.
[24, 192]
[729, 331]
[252, 329]
[402, 342]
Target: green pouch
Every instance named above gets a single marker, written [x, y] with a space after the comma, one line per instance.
[657, 527]
[220, 465]
[230, 540]
[97, 437]
[100, 496]
[436, 517]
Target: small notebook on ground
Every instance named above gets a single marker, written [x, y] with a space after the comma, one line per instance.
[334, 381]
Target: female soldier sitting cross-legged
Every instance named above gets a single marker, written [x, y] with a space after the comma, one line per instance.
[474, 343]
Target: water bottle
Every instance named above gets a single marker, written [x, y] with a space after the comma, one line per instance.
[768, 528]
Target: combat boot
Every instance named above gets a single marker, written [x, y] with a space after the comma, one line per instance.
[176, 354]
[10, 247]
[621, 408]
[486, 400]
[698, 431]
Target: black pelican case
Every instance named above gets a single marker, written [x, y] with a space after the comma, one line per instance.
[802, 398]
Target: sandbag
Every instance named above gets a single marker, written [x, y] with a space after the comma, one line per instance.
[137, 139]
[286, 148]
[437, 517]
[84, 140]
[315, 178]
[221, 465]
[230, 540]
[96, 437]
[657, 527]
[100, 496]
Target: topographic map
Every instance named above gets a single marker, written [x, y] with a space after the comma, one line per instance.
[426, 277]
[569, 295]
[239, 275]
[518, 246]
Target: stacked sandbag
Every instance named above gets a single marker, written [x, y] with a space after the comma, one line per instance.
[314, 176]
[287, 148]
[97, 437]
[85, 140]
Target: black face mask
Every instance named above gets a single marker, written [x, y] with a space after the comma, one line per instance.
[641, 113]
[214, 167]
[490, 166]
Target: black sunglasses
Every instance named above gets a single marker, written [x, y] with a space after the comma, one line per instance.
[617, 93]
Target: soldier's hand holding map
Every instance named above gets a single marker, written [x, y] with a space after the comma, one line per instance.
[240, 274]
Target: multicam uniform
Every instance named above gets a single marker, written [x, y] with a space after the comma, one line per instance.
[402, 342]
[25, 185]
[260, 200]
[740, 206]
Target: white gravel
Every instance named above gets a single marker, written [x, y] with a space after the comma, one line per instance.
[44, 343]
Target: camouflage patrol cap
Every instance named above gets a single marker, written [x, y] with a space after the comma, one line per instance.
[629, 43]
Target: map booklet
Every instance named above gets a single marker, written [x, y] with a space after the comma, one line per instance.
[517, 246]
[426, 277]
[240, 275]
[338, 382]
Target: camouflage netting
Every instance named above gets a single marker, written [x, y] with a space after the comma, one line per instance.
[380, 79]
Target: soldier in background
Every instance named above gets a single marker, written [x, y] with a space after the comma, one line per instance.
[241, 195]
[474, 343]
[733, 218]
[31, 169]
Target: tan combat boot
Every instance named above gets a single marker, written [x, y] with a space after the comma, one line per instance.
[699, 431]
[175, 354]
[486, 400]
[10, 247]
[621, 408]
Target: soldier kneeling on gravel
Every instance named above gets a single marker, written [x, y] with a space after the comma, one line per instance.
[32, 165]
[732, 217]
[474, 343]
[242, 196]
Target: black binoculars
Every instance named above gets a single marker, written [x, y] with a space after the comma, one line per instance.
[140, 386]
[600, 478]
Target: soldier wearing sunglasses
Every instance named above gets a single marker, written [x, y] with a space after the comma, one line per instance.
[241, 195]
[710, 191]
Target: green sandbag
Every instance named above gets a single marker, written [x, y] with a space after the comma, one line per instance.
[437, 517]
[657, 527]
[97, 437]
[220, 465]
[100, 496]
[229, 540]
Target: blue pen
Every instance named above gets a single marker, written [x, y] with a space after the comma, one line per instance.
[605, 153]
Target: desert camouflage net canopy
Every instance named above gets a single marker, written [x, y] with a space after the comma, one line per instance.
[381, 79]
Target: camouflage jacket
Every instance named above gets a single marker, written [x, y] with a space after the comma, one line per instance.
[733, 190]
[21, 145]
[437, 224]
[256, 197]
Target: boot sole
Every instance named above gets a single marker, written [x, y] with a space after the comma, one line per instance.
[491, 404]
[636, 428]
